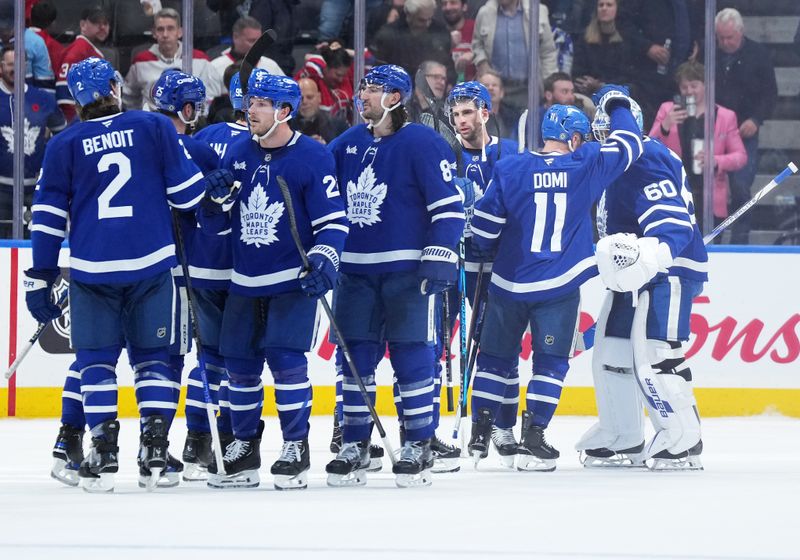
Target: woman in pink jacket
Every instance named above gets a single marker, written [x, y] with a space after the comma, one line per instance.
[680, 128]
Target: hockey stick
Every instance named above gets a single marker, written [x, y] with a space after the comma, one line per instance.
[447, 352]
[287, 199]
[254, 55]
[216, 442]
[521, 124]
[32, 340]
[779, 178]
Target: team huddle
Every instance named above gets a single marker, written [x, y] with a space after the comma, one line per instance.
[228, 240]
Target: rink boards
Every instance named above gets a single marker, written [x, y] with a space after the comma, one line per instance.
[744, 347]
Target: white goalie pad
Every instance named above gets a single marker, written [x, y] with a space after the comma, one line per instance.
[620, 422]
[627, 262]
[669, 398]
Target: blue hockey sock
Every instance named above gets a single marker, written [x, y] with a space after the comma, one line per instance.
[71, 401]
[509, 409]
[156, 383]
[413, 366]
[544, 389]
[357, 422]
[292, 391]
[196, 416]
[493, 379]
[246, 395]
[98, 384]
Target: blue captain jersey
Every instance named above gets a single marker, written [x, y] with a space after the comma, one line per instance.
[402, 204]
[220, 135]
[116, 178]
[537, 213]
[653, 199]
[265, 258]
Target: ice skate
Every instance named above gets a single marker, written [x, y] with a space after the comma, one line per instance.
[414, 467]
[242, 459]
[197, 455]
[481, 435]
[534, 453]
[291, 468]
[445, 456]
[153, 454]
[336, 437]
[97, 469]
[67, 455]
[375, 458]
[506, 445]
[169, 477]
[689, 460]
[349, 468]
[604, 457]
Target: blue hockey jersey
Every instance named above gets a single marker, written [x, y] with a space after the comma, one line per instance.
[402, 204]
[219, 135]
[265, 258]
[537, 211]
[116, 178]
[653, 199]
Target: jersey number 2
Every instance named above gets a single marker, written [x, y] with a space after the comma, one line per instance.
[104, 208]
[542, 204]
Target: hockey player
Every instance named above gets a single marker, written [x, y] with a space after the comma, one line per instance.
[406, 218]
[114, 176]
[270, 313]
[536, 217]
[468, 107]
[650, 249]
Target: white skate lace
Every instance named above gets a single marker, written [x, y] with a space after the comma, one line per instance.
[411, 451]
[350, 452]
[503, 436]
[291, 451]
[236, 449]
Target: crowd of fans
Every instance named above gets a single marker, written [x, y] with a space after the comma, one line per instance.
[655, 47]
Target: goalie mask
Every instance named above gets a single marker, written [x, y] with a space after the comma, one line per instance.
[602, 121]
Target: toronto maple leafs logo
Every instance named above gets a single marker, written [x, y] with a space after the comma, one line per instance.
[364, 199]
[260, 218]
[31, 134]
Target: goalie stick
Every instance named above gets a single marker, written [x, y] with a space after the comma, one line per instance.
[255, 53]
[287, 199]
[32, 340]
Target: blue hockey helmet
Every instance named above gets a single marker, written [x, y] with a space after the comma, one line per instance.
[236, 92]
[562, 121]
[279, 90]
[174, 89]
[391, 78]
[470, 91]
[91, 79]
[602, 121]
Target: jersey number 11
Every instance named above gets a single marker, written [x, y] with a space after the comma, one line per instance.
[543, 206]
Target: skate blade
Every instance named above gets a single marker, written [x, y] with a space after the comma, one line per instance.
[620, 460]
[194, 472]
[355, 478]
[103, 484]
[286, 482]
[477, 456]
[62, 472]
[530, 463]
[244, 479]
[418, 480]
[445, 465]
[168, 479]
[375, 464]
[151, 482]
[508, 461]
[690, 463]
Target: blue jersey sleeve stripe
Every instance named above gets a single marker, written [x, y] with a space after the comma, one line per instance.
[186, 184]
[663, 207]
[191, 204]
[445, 215]
[328, 217]
[270, 279]
[48, 230]
[338, 227]
[124, 264]
[620, 134]
[444, 201]
[684, 262]
[490, 217]
[667, 221]
[542, 285]
[210, 273]
[49, 209]
[484, 234]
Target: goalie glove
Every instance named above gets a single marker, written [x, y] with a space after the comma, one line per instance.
[627, 262]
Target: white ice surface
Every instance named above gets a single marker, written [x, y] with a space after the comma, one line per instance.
[743, 506]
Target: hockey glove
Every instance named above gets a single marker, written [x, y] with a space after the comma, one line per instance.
[320, 278]
[438, 269]
[38, 285]
[610, 96]
[221, 191]
[627, 262]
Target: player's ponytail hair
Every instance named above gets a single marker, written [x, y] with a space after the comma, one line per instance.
[103, 107]
[399, 117]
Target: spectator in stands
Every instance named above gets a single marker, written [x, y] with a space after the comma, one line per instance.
[94, 31]
[745, 83]
[43, 14]
[246, 32]
[386, 13]
[38, 71]
[415, 37]
[333, 13]
[602, 54]
[430, 90]
[663, 34]
[500, 42]
[278, 15]
[559, 88]
[42, 118]
[682, 132]
[332, 70]
[504, 118]
[148, 65]
[311, 119]
[228, 11]
[461, 30]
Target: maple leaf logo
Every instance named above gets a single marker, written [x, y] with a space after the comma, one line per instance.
[365, 198]
[31, 134]
[260, 218]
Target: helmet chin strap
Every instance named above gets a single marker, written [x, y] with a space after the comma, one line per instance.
[483, 136]
[386, 111]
